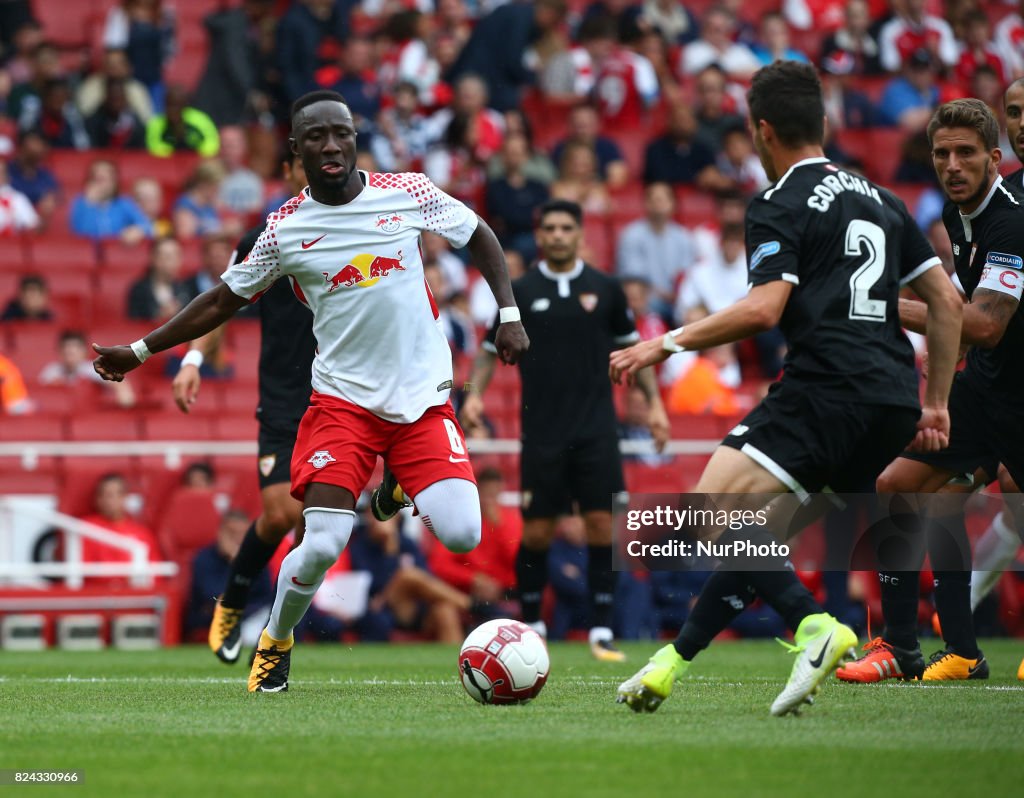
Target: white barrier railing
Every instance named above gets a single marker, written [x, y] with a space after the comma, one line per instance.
[173, 452]
[139, 570]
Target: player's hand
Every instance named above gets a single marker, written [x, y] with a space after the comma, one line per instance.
[186, 387]
[511, 342]
[627, 362]
[658, 423]
[932, 431]
[471, 414]
[114, 362]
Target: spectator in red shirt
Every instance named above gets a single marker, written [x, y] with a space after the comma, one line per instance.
[487, 572]
[625, 86]
[111, 512]
[912, 29]
[979, 50]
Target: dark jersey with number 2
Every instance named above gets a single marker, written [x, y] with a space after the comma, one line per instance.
[847, 246]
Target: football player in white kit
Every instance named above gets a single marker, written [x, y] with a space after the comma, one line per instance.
[349, 244]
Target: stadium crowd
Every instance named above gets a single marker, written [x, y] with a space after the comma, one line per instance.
[140, 138]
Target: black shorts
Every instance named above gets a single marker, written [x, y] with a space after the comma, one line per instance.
[553, 477]
[276, 441]
[985, 430]
[810, 442]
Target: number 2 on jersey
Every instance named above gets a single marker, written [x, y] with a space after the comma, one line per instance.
[862, 235]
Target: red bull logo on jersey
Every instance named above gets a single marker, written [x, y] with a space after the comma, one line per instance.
[389, 222]
[364, 270]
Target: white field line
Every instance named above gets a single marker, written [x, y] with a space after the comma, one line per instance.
[589, 680]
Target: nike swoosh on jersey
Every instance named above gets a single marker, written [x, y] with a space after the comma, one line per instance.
[301, 584]
[311, 243]
[453, 459]
[816, 663]
[232, 653]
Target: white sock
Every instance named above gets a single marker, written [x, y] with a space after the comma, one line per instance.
[996, 549]
[599, 634]
[327, 534]
[450, 508]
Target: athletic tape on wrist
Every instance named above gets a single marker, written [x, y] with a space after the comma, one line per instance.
[193, 358]
[669, 343]
[141, 350]
[506, 315]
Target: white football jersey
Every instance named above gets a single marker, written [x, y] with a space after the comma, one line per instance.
[358, 267]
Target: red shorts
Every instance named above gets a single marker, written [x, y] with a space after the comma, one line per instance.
[338, 443]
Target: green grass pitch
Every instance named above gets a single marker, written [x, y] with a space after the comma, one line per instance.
[394, 721]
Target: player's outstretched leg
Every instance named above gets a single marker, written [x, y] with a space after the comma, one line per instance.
[724, 596]
[601, 580]
[327, 533]
[883, 660]
[821, 643]
[646, 689]
[388, 498]
[225, 636]
[253, 555]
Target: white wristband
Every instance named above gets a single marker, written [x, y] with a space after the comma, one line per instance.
[193, 358]
[141, 350]
[506, 315]
[669, 343]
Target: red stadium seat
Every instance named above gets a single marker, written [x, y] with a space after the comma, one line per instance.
[170, 172]
[67, 24]
[236, 427]
[71, 166]
[113, 287]
[633, 144]
[54, 256]
[233, 397]
[15, 255]
[55, 401]
[36, 427]
[245, 356]
[79, 476]
[176, 426]
[117, 256]
[105, 426]
[78, 284]
[548, 120]
[597, 242]
[28, 483]
[695, 207]
[188, 522]
[33, 345]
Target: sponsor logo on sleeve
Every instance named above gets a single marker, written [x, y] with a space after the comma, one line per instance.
[1003, 259]
[767, 249]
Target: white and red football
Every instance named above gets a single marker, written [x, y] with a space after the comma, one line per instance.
[504, 662]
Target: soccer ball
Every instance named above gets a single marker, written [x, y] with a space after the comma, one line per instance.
[504, 662]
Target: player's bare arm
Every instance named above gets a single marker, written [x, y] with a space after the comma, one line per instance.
[472, 410]
[985, 317]
[758, 311]
[657, 418]
[511, 341]
[185, 386]
[943, 311]
[207, 311]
